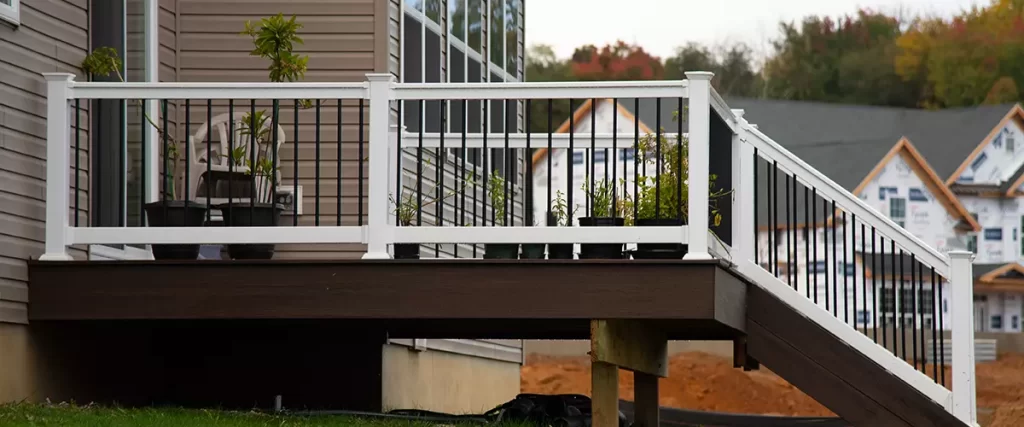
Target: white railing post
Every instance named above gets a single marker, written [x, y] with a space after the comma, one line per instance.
[744, 239]
[378, 231]
[961, 282]
[699, 119]
[58, 153]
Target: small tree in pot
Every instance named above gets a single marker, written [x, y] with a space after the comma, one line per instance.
[498, 198]
[605, 212]
[169, 211]
[559, 217]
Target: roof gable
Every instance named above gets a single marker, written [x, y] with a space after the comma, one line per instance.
[583, 114]
[979, 165]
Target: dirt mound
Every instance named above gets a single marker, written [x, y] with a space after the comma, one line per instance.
[697, 381]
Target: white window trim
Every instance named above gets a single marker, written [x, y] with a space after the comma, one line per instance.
[11, 13]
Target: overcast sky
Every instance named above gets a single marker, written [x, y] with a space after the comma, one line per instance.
[661, 25]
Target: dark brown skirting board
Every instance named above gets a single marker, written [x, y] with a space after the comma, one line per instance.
[695, 300]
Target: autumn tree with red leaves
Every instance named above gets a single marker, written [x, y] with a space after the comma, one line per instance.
[619, 61]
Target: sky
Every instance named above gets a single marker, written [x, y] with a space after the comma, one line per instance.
[661, 25]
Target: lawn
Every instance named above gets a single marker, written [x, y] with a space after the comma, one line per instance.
[44, 415]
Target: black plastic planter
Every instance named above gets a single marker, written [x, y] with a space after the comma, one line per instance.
[659, 250]
[407, 251]
[175, 213]
[533, 251]
[251, 215]
[501, 251]
[601, 250]
[558, 250]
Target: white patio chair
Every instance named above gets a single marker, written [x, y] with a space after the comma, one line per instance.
[220, 149]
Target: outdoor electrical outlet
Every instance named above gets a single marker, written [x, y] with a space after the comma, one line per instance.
[287, 195]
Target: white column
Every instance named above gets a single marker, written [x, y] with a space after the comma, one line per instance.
[699, 119]
[744, 240]
[378, 231]
[58, 153]
[152, 71]
[962, 314]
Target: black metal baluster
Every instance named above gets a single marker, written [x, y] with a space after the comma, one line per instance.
[593, 150]
[796, 242]
[209, 156]
[881, 298]
[253, 148]
[551, 156]
[569, 163]
[316, 167]
[442, 160]
[938, 343]
[853, 246]
[679, 168]
[78, 156]
[528, 182]
[168, 177]
[902, 293]
[476, 161]
[362, 156]
[419, 166]
[399, 194]
[506, 169]
[846, 277]
[487, 163]
[275, 122]
[895, 289]
[789, 241]
[914, 288]
[295, 167]
[615, 152]
[188, 153]
[874, 287]
[143, 164]
[757, 253]
[122, 190]
[824, 212]
[808, 223]
[462, 178]
[814, 235]
[835, 259]
[636, 157]
[231, 158]
[337, 177]
[774, 216]
[657, 158]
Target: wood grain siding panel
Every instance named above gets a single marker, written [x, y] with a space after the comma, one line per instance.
[52, 37]
[340, 39]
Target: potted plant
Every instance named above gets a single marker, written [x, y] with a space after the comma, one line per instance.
[257, 207]
[662, 200]
[604, 213]
[274, 39]
[405, 212]
[170, 211]
[498, 198]
[559, 217]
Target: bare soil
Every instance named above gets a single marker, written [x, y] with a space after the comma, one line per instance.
[701, 381]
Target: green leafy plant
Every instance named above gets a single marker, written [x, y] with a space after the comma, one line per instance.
[602, 199]
[559, 210]
[407, 205]
[274, 38]
[104, 61]
[497, 196]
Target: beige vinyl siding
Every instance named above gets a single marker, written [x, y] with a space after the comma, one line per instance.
[52, 37]
[339, 38]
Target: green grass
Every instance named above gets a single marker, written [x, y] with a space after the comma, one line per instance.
[47, 415]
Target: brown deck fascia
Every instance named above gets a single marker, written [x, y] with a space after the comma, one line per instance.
[450, 298]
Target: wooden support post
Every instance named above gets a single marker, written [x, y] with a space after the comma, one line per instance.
[605, 390]
[635, 346]
[645, 392]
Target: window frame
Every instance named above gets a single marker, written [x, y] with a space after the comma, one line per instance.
[901, 219]
[972, 243]
[994, 234]
[11, 13]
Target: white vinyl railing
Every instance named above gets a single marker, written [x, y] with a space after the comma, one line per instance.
[380, 231]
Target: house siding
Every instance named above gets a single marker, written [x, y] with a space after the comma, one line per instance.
[340, 40]
[52, 37]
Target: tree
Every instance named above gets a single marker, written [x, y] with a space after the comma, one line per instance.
[619, 61]
[733, 67]
[849, 61]
[973, 58]
[542, 65]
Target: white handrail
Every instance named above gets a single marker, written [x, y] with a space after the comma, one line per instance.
[228, 90]
[849, 202]
[541, 90]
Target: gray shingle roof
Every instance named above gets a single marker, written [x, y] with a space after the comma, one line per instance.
[846, 141]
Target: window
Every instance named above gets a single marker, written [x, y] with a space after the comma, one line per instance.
[978, 162]
[997, 321]
[1015, 320]
[918, 195]
[1010, 143]
[898, 210]
[972, 244]
[577, 158]
[599, 156]
[888, 301]
[627, 154]
[10, 11]
[849, 269]
[993, 234]
[818, 267]
[496, 31]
